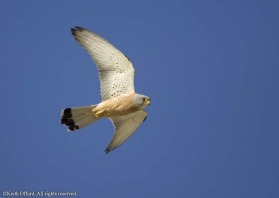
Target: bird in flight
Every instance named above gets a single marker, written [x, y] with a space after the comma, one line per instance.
[120, 103]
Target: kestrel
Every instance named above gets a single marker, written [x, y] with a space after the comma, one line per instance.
[120, 103]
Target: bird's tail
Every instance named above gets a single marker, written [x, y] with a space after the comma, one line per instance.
[78, 117]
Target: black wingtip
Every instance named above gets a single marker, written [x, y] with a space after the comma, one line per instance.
[77, 28]
[73, 30]
[144, 119]
[108, 149]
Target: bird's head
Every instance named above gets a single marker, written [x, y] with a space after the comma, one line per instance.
[142, 101]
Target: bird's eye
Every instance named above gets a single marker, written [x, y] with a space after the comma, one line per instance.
[143, 99]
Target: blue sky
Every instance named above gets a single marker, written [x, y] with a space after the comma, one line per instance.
[210, 68]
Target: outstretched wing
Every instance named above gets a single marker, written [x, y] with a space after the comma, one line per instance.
[125, 126]
[116, 72]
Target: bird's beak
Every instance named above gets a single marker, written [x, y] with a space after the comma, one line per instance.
[147, 101]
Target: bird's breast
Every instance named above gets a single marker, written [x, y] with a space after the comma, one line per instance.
[116, 107]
